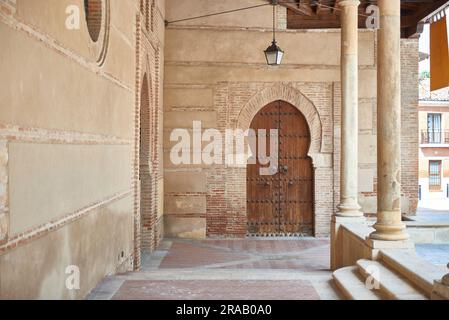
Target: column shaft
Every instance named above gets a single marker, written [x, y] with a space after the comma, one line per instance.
[349, 206]
[389, 225]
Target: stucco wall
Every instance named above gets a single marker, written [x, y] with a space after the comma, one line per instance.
[69, 143]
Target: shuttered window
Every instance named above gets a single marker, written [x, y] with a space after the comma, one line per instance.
[435, 175]
[434, 127]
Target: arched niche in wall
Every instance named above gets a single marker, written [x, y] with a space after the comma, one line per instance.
[97, 18]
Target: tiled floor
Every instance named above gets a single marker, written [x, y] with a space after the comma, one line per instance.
[436, 210]
[295, 269]
[434, 253]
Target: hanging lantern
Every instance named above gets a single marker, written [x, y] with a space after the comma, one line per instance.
[274, 53]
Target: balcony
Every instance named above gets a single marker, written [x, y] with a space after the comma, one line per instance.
[435, 137]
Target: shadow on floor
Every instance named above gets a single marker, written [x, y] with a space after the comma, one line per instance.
[241, 269]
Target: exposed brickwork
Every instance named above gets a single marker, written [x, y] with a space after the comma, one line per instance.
[410, 125]
[145, 172]
[236, 105]
[148, 171]
[337, 143]
[136, 148]
[281, 17]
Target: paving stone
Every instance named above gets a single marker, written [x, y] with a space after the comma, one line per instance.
[220, 290]
[243, 269]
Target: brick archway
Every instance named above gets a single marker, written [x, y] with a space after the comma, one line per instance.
[322, 162]
[295, 98]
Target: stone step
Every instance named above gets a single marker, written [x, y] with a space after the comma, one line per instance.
[392, 285]
[352, 285]
[415, 269]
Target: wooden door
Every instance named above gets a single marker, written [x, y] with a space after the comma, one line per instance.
[282, 203]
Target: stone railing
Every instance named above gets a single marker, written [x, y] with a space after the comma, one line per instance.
[353, 243]
[441, 288]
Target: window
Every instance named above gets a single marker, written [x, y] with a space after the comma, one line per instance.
[434, 127]
[435, 175]
[94, 17]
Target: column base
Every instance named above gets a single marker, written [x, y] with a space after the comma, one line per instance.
[336, 241]
[389, 232]
[374, 246]
[351, 210]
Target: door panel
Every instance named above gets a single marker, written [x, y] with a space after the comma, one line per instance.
[262, 190]
[282, 204]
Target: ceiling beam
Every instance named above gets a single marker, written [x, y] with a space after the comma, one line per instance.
[296, 7]
[424, 12]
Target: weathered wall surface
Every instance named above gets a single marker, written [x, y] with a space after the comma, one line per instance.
[69, 137]
[216, 67]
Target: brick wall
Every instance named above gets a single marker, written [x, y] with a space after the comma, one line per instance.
[148, 162]
[235, 103]
[410, 123]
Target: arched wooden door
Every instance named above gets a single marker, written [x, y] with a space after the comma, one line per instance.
[282, 204]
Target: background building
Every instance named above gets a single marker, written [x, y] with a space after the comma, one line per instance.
[434, 143]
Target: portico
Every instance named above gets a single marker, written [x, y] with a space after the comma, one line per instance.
[88, 133]
[389, 230]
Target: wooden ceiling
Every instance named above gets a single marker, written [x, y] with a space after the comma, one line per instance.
[319, 14]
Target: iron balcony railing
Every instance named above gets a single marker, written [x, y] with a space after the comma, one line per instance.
[435, 137]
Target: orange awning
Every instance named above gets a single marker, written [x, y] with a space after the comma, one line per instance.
[439, 54]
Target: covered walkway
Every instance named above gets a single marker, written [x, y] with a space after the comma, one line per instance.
[228, 269]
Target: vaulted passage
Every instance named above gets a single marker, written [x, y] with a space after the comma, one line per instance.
[281, 203]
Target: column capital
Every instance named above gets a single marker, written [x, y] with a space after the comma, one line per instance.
[390, 8]
[345, 3]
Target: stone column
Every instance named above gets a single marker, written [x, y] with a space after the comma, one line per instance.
[349, 206]
[348, 209]
[389, 224]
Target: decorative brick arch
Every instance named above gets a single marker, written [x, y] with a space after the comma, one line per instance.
[322, 161]
[295, 98]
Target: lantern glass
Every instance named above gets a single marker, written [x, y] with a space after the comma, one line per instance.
[274, 55]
